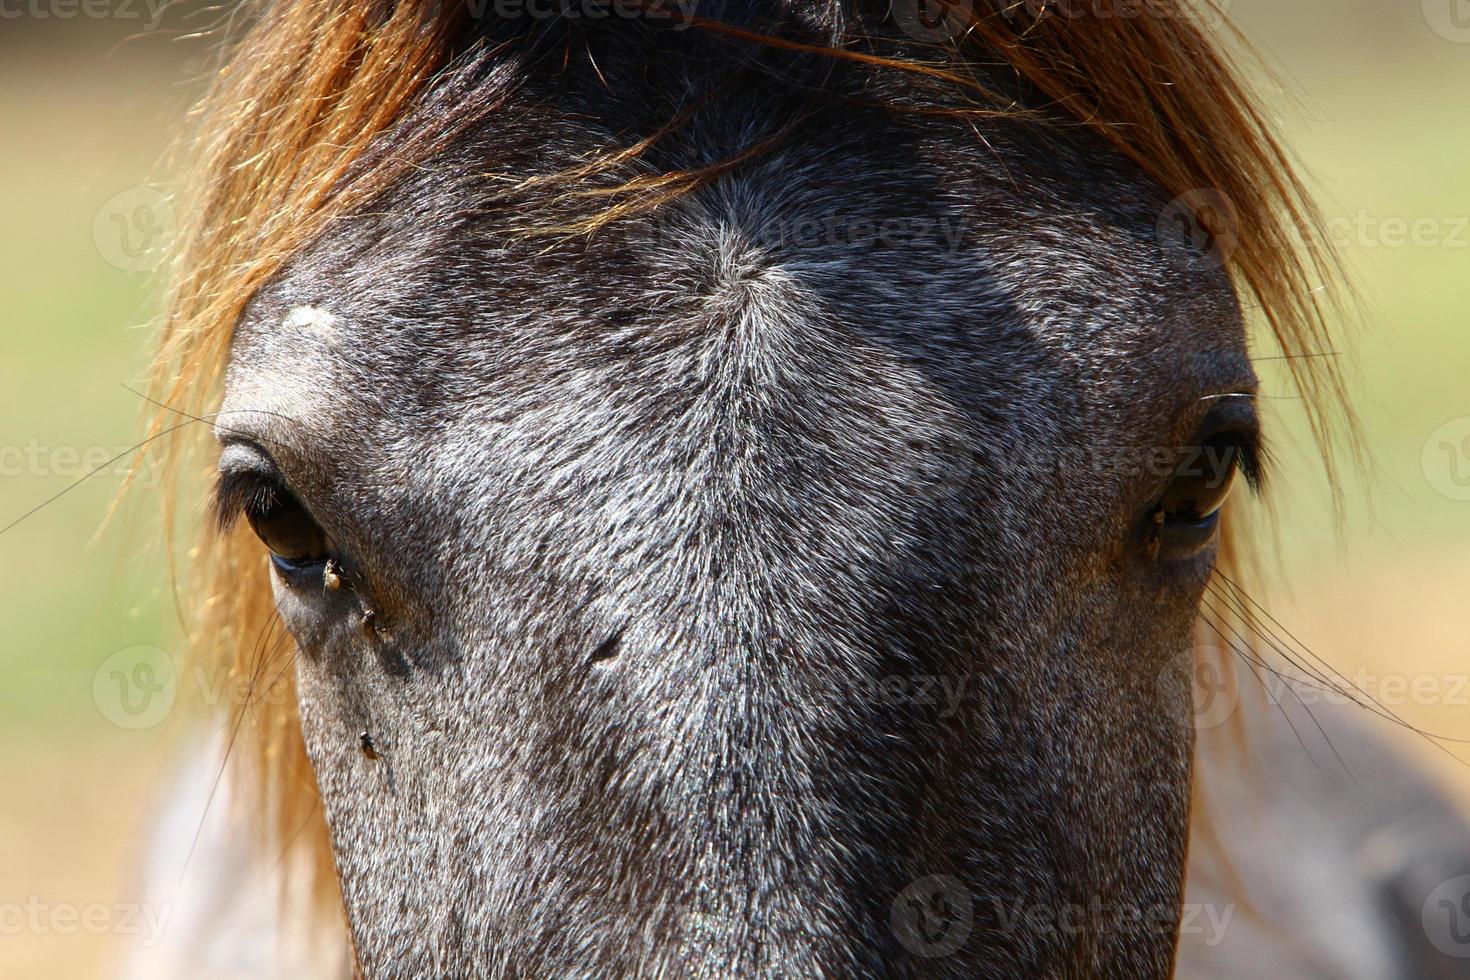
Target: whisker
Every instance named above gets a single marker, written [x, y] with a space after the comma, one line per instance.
[1323, 682]
[290, 663]
[266, 633]
[1298, 357]
[209, 419]
[1313, 673]
[1338, 684]
[1255, 662]
[190, 419]
[1305, 707]
[1251, 395]
[1344, 686]
[1329, 676]
[290, 841]
[98, 469]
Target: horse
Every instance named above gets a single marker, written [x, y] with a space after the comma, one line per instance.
[733, 490]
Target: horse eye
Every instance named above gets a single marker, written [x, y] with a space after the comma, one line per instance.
[1202, 485]
[286, 528]
[1186, 516]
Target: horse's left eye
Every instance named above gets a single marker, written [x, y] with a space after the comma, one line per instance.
[286, 528]
[1186, 516]
[1202, 485]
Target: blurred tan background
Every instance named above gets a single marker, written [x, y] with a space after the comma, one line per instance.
[1371, 96]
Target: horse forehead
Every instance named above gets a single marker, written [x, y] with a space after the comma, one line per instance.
[942, 274]
[787, 259]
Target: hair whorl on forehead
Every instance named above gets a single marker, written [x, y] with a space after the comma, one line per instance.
[282, 146]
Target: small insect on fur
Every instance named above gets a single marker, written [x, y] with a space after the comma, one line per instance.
[1155, 533]
[365, 742]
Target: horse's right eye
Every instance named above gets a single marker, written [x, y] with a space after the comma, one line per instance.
[286, 528]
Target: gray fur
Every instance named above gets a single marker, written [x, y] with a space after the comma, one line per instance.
[645, 516]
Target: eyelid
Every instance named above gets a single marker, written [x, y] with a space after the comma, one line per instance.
[249, 475]
[1234, 417]
[246, 473]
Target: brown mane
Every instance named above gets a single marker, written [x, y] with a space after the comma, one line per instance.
[283, 143]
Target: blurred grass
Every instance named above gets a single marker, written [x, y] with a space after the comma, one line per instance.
[82, 119]
[92, 122]
[1376, 117]
[1374, 109]
[1373, 106]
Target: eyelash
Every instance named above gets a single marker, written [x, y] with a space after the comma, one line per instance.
[297, 544]
[237, 494]
[1250, 456]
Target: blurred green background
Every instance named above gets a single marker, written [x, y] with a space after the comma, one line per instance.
[1371, 95]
